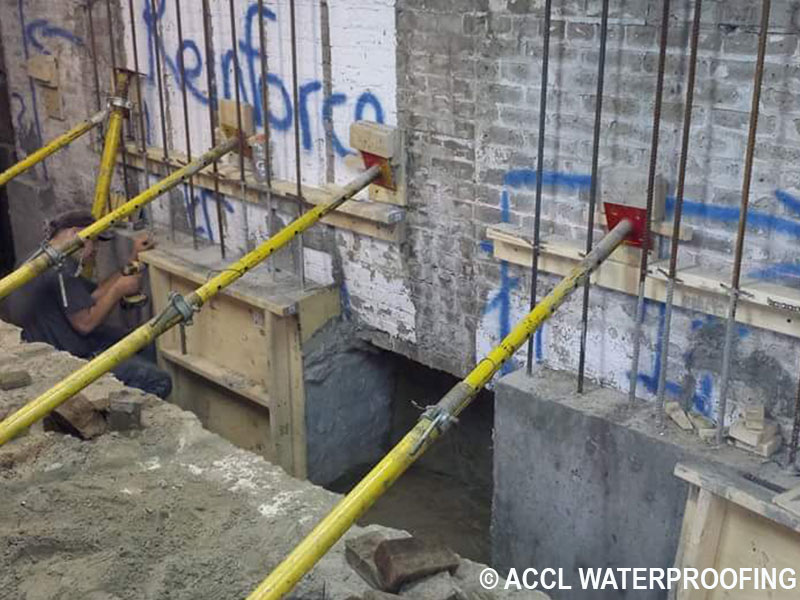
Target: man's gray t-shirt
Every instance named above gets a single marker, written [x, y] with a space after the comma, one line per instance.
[39, 309]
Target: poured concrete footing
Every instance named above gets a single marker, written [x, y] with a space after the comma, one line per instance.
[586, 481]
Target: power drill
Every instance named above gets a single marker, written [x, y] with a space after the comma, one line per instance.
[134, 300]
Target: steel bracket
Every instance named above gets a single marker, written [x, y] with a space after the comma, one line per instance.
[184, 309]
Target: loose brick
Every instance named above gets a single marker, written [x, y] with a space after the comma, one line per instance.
[78, 417]
[360, 555]
[404, 560]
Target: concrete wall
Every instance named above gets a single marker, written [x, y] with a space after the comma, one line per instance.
[586, 482]
[462, 80]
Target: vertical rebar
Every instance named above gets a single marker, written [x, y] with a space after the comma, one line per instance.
[737, 261]
[676, 221]
[242, 181]
[298, 169]
[262, 43]
[539, 168]
[160, 86]
[123, 151]
[211, 83]
[598, 113]
[146, 211]
[651, 186]
[182, 70]
[795, 441]
[327, 86]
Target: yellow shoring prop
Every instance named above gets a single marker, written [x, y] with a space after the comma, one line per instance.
[53, 146]
[119, 106]
[52, 254]
[179, 310]
[433, 423]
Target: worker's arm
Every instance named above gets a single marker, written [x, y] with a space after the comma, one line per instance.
[105, 286]
[85, 321]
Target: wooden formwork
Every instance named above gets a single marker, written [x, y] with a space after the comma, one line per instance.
[239, 366]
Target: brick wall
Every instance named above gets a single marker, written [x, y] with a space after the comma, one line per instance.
[468, 97]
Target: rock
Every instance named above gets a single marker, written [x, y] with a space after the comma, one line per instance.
[441, 586]
[124, 412]
[404, 560]
[677, 414]
[78, 417]
[360, 554]
[11, 380]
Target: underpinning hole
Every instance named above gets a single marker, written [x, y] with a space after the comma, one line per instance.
[446, 496]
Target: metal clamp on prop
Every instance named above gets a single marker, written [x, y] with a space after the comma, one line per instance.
[440, 420]
[184, 309]
[57, 257]
[119, 102]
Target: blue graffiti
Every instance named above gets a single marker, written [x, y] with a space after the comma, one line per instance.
[251, 86]
[701, 399]
[42, 28]
[756, 219]
[202, 201]
[519, 178]
[528, 177]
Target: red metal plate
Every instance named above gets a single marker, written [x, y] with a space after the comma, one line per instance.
[387, 178]
[618, 212]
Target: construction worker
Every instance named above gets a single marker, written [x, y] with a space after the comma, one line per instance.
[68, 311]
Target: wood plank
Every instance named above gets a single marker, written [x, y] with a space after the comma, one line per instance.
[281, 393]
[388, 215]
[234, 382]
[732, 486]
[702, 538]
[750, 541]
[789, 500]
[768, 306]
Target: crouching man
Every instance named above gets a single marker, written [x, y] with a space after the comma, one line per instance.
[69, 311]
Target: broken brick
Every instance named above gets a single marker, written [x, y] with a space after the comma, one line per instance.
[360, 555]
[78, 417]
[404, 560]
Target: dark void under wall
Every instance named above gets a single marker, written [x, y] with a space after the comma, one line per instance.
[587, 481]
[446, 495]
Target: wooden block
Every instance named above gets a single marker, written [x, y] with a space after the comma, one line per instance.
[360, 554]
[375, 138]
[44, 69]
[677, 414]
[12, 380]
[765, 449]
[78, 417]
[53, 104]
[754, 417]
[701, 423]
[741, 433]
[229, 120]
[403, 560]
[789, 500]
